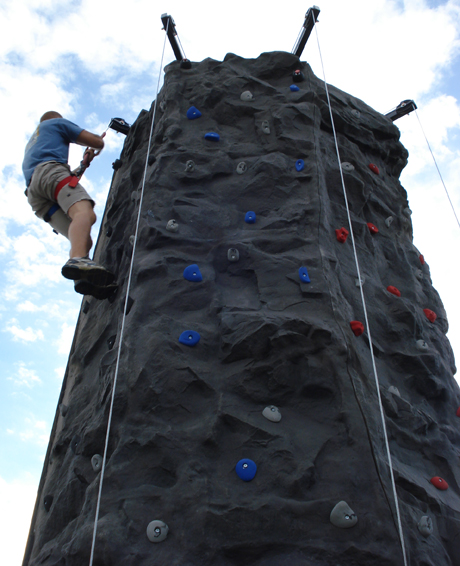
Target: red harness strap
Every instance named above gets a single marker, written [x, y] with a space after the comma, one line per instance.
[72, 181]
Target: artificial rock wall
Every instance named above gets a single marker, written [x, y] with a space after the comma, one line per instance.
[184, 417]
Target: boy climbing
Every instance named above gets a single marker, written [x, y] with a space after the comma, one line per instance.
[56, 196]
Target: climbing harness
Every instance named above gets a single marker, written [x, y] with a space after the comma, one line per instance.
[377, 384]
[125, 310]
[71, 180]
[440, 176]
[51, 211]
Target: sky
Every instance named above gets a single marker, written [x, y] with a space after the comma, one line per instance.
[92, 61]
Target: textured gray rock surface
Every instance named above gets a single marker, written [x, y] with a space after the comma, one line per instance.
[183, 417]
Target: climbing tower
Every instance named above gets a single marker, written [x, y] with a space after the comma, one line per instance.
[254, 421]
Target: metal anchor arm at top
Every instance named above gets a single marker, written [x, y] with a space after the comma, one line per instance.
[311, 17]
[405, 107]
[170, 28]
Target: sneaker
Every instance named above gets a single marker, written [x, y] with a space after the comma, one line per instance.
[86, 288]
[82, 268]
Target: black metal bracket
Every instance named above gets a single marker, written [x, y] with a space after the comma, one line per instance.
[170, 27]
[119, 125]
[405, 107]
[311, 17]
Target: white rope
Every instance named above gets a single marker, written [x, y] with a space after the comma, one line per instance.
[297, 40]
[440, 176]
[377, 384]
[104, 459]
[180, 43]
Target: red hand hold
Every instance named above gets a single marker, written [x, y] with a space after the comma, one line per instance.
[458, 412]
[357, 327]
[422, 259]
[394, 290]
[372, 228]
[431, 316]
[439, 483]
[342, 234]
[374, 168]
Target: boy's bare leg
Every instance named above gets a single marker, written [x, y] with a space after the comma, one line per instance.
[83, 217]
[79, 267]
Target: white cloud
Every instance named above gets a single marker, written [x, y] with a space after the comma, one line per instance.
[440, 120]
[36, 259]
[114, 141]
[60, 371]
[24, 334]
[119, 37]
[64, 342]
[17, 499]
[25, 376]
[27, 306]
[57, 309]
[406, 67]
[27, 95]
[35, 432]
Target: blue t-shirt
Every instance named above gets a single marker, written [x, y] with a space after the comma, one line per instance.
[50, 142]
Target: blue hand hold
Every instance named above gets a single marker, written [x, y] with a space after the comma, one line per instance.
[303, 274]
[212, 136]
[299, 164]
[246, 469]
[193, 113]
[192, 273]
[294, 88]
[250, 217]
[189, 338]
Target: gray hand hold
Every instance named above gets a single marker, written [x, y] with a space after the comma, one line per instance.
[247, 96]
[388, 221]
[342, 516]
[394, 390]
[241, 167]
[172, 226]
[272, 414]
[425, 526]
[347, 166]
[233, 254]
[421, 345]
[96, 462]
[356, 113]
[265, 127]
[157, 531]
[407, 212]
[189, 166]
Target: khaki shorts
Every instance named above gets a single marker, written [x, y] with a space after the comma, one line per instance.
[40, 194]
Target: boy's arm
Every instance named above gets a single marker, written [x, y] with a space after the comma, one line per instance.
[90, 140]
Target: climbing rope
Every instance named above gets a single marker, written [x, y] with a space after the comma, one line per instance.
[401, 534]
[104, 459]
[180, 43]
[440, 176]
